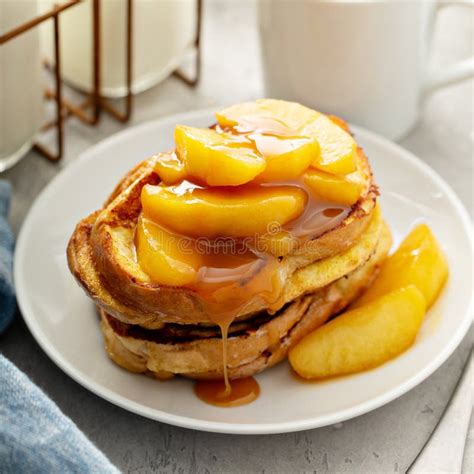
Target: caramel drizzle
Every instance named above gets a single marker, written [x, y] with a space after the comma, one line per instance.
[219, 285]
[224, 334]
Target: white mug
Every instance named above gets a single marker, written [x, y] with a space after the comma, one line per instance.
[363, 60]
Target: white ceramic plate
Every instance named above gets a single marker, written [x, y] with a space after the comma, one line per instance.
[64, 322]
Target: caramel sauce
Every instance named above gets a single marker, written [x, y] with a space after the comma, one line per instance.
[318, 217]
[257, 124]
[227, 288]
[266, 136]
[227, 394]
[231, 280]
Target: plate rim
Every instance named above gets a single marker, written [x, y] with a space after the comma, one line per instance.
[223, 427]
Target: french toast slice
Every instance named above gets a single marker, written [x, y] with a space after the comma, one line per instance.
[102, 257]
[253, 345]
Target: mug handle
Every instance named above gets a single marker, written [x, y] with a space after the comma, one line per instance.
[459, 71]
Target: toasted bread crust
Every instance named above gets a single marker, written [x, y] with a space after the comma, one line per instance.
[253, 346]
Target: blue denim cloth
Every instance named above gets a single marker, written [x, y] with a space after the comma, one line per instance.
[35, 436]
[7, 292]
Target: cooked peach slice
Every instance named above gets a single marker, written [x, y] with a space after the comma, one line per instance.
[343, 189]
[286, 158]
[338, 150]
[214, 212]
[418, 261]
[166, 258]
[169, 168]
[361, 338]
[276, 117]
[216, 158]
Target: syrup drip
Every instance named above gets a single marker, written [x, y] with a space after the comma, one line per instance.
[224, 334]
[227, 291]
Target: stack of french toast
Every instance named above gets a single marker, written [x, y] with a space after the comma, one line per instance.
[253, 232]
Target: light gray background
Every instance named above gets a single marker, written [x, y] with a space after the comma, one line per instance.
[385, 440]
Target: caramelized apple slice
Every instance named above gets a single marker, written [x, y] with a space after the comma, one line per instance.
[215, 158]
[169, 168]
[362, 338]
[166, 258]
[418, 261]
[338, 150]
[216, 212]
[343, 189]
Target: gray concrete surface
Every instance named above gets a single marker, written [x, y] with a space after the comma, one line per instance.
[385, 440]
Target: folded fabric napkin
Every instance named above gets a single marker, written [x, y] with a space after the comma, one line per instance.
[35, 436]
